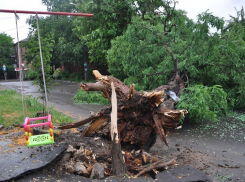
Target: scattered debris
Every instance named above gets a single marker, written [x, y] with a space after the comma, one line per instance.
[1, 126]
[97, 172]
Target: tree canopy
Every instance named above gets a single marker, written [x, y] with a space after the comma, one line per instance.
[145, 42]
[110, 20]
[151, 49]
[6, 51]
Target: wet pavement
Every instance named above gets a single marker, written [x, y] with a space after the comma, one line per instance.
[17, 160]
[60, 97]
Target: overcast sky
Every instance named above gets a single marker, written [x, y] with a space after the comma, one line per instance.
[221, 8]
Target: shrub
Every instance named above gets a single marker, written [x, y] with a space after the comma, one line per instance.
[64, 75]
[204, 103]
[90, 97]
[31, 74]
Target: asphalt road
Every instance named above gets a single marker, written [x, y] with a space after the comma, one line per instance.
[60, 97]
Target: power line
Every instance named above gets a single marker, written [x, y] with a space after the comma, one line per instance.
[11, 17]
[6, 18]
[14, 28]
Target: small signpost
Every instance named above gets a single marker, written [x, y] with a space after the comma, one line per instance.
[5, 72]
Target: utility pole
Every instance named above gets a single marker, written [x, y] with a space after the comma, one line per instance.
[4, 67]
[2, 55]
[85, 64]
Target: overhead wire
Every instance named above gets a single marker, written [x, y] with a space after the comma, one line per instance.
[14, 28]
[11, 17]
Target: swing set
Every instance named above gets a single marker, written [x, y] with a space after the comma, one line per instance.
[42, 139]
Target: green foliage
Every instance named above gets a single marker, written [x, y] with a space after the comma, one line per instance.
[31, 74]
[32, 55]
[64, 75]
[32, 102]
[90, 97]
[56, 73]
[153, 47]
[76, 76]
[204, 103]
[139, 52]
[109, 21]
[67, 45]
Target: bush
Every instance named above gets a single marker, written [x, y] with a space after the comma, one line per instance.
[77, 76]
[204, 103]
[31, 74]
[64, 75]
[90, 97]
[56, 73]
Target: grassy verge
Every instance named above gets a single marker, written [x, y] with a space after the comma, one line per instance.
[90, 97]
[11, 110]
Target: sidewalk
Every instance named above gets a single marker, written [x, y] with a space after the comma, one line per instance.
[60, 97]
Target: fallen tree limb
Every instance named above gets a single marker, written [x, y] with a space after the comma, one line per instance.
[156, 165]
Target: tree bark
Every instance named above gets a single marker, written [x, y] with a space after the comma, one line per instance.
[118, 164]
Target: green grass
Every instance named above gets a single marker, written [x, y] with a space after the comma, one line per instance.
[11, 110]
[90, 97]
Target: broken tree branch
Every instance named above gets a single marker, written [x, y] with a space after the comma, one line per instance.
[155, 165]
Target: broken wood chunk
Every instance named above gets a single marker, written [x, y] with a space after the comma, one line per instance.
[130, 94]
[99, 122]
[156, 165]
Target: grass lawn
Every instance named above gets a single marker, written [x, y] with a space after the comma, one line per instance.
[11, 110]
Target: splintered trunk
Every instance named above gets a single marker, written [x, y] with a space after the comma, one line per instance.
[118, 164]
[141, 115]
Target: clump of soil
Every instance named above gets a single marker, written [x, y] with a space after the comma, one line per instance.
[9, 131]
[19, 140]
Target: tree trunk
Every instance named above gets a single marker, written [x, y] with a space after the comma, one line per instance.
[141, 115]
[118, 164]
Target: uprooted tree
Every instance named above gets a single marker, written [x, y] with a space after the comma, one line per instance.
[141, 115]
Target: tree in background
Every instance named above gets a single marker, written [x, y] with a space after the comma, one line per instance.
[67, 45]
[109, 21]
[6, 51]
[232, 51]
